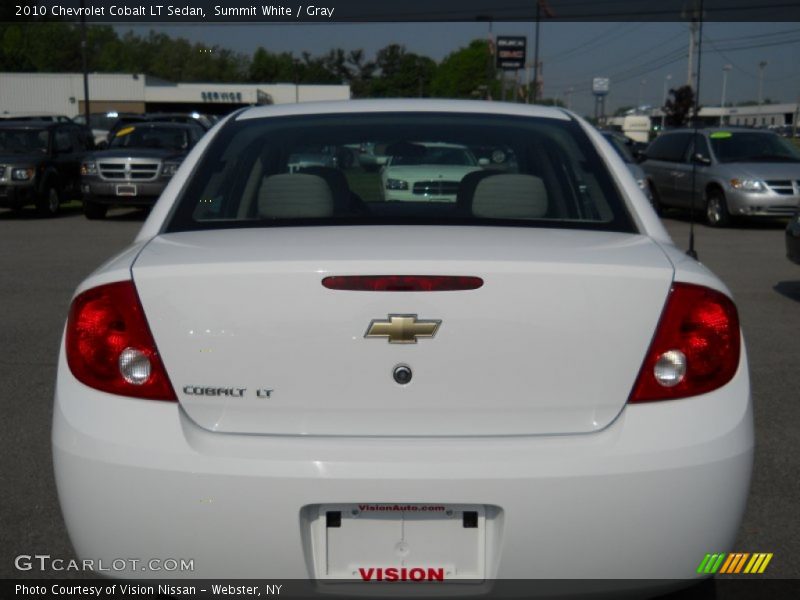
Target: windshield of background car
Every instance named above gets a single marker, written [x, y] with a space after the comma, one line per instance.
[532, 172]
[148, 136]
[434, 155]
[23, 141]
[752, 147]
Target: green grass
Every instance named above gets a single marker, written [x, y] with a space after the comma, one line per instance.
[366, 185]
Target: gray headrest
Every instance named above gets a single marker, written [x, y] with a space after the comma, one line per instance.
[510, 196]
[294, 196]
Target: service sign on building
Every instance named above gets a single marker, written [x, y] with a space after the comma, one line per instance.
[511, 52]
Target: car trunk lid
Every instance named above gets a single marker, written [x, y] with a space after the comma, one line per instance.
[254, 343]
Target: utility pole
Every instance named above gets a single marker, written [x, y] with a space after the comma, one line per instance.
[641, 90]
[692, 42]
[568, 95]
[693, 14]
[86, 109]
[541, 5]
[536, 54]
[490, 64]
[725, 70]
[761, 66]
[664, 104]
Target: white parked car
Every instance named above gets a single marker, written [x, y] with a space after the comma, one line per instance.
[282, 377]
[431, 171]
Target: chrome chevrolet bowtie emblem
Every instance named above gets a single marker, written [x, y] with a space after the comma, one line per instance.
[402, 329]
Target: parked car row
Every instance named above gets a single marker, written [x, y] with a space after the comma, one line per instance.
[46, 163]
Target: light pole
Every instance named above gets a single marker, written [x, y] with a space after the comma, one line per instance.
[641, 91]
[664, 106]
[761, 66]
[568, 94]
[725, 70]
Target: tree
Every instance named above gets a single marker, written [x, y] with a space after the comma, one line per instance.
[465, 73]
[401, 74]
[679, 106]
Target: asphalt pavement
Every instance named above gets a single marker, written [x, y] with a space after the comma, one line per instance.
[43, 260]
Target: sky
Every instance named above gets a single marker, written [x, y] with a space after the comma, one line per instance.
[640, 58]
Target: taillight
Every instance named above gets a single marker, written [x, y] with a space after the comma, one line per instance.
[110, 347]
[402, 283]
[695, 349]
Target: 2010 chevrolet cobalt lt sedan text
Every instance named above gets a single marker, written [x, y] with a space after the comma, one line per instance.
[289, 374]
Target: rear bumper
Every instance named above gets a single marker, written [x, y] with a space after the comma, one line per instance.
[646, 498]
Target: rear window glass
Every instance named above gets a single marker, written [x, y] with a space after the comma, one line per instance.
[400, 168]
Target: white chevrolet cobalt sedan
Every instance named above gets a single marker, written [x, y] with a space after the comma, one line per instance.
[285, 375]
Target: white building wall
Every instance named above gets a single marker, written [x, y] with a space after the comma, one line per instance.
[60, 93]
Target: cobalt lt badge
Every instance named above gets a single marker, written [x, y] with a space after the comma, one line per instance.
[402, 329]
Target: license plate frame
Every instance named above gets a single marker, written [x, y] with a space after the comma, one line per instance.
[400, 542]
[126, 189]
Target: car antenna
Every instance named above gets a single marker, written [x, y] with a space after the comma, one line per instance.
[697, 15]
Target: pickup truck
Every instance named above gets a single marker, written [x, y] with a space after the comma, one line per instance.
[136, 166]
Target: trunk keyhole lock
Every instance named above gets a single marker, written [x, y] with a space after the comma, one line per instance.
[402, 374]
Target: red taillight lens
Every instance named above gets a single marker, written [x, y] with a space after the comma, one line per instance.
[402, 283]
[110, 347]
[696, 347]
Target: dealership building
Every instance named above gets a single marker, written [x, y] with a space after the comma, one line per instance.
[62, 93]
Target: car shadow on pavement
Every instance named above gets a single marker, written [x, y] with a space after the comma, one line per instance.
[790, 289]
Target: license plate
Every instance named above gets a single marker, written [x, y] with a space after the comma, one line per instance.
[126, 190]
[386, 542]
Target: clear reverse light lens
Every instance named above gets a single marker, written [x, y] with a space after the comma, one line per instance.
[670, 368]
[134, 366]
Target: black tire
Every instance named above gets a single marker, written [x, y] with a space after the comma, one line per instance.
[655, 201]
[94, 210]
[48, 202]
[717, 214]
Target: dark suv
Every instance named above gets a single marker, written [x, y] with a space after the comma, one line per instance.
[137, 165]
[40, 164]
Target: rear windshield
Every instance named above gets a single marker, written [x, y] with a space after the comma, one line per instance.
[400, 168]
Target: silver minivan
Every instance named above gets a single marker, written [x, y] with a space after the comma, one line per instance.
[739, 173]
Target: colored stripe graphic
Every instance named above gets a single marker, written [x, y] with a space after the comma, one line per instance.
[711, 563]
[727, 565]
[735, 563]
[764, 564]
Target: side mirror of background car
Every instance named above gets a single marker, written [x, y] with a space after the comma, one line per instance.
[703, 160]
[484, 162]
